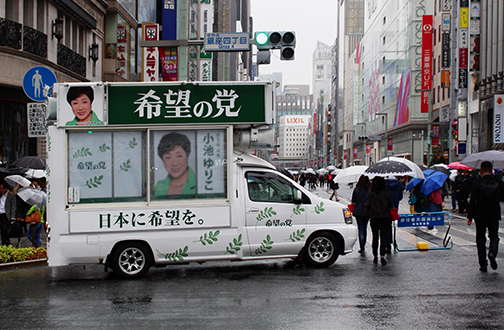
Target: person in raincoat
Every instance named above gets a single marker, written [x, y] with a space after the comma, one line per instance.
[34, 231]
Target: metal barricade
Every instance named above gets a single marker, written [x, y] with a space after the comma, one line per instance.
[422, 220]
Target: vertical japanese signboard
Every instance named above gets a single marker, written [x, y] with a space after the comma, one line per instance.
[122, 50]
[463, 43]
[426, 61]
[498, 118]
[474, 30]
[150, 55]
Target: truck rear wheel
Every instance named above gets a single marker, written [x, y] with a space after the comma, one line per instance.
[131, 260]
[321, 250]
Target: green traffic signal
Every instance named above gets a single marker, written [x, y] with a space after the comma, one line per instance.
[261, 38]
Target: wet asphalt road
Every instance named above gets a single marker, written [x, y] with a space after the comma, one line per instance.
[416, 290]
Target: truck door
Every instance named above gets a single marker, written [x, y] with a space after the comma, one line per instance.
[275, 222]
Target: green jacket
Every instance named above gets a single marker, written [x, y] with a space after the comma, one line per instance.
[94, 120]
[189, 188]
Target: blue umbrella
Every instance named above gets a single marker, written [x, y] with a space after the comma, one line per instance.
[433, 182]
[428, 172]
[413, 183]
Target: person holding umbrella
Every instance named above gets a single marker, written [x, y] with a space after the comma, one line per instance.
[432, 188]
[484, 208]
[8, 207]
[379, 203]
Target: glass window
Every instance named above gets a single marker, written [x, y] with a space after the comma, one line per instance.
[106, 166]
[111, 166]
[188, 164]
[269, 187]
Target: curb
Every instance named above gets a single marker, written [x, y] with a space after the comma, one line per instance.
[23, 264]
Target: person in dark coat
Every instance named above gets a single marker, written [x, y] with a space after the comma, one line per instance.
[395, 187]
[359, 197]
[484, 208]
[379, 203]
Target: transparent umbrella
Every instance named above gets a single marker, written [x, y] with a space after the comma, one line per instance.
[33, 196]
[16, 179]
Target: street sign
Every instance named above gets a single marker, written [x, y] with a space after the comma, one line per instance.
[38, 83]
[227, 42]
[461, 148]
[374, 138]
[36, 119]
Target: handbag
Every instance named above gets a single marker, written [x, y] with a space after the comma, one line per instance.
[34, 217]
[394, 214]
[351, 206]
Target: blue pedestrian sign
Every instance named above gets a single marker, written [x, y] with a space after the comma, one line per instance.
[38, 83]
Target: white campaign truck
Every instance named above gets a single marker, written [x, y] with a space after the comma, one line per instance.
[116, 198]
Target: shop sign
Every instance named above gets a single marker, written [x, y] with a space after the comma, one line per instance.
[186, 104]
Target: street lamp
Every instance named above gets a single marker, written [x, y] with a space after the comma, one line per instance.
[386, 130]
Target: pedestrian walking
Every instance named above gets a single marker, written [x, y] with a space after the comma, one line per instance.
[359, 197]
[395, 187]
[334, 187]
[379, 203]
[484, 208]
[8, 205]
[463, 182]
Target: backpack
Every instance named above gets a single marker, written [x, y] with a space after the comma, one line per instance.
[423, 203]
[489, 193]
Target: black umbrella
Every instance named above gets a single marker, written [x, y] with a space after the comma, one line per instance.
[29, 162]
[4, 172]
[387, 168]
[441, 168]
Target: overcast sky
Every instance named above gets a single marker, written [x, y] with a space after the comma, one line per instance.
[311, 20]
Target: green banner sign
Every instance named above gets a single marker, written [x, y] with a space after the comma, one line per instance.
[185, 104]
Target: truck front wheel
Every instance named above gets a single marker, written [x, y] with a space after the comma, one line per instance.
[321, 250]
[131, 260]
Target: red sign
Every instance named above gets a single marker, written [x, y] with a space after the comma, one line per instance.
[368, 148]
[426, 60]
[169, 61]
[345, 154]
[390, 145]
[435, 135]
[355, 153]
[462, 58]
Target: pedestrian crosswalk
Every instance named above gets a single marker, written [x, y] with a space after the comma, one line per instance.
[463, 236]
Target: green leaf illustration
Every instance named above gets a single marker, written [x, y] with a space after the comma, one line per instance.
[265, 245]
[94, 182]
[125, 166]
[104, 147]
[319, 209]
[133, 143]
[297, 235]
[210, 238]
[48, 144]
[298, 209]
[234, 246]
[178, 255]
[266, 213]
[82, 152]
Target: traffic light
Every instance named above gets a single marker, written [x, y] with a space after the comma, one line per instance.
[283, 40]
[363, 137]
[267, 40]
[288, 45]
